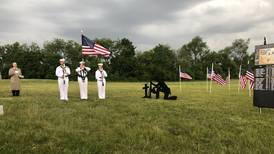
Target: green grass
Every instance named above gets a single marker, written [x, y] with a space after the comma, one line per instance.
[198, 122]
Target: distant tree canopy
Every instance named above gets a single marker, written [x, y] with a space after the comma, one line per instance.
[125, 63]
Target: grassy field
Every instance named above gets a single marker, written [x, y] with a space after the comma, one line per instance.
[198, 122]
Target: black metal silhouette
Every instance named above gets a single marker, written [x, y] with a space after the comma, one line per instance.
[146, 88]
[158, 87]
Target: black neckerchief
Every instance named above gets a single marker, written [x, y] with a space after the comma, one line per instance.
[83, 74]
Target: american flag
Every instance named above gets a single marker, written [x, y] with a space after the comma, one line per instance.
[250, 76]
[218, 78]
[90, 47]
[243, 81]
[185, 76]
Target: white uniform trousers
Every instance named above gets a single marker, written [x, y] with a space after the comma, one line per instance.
[83, 88]
[63, 88]
[101, 89]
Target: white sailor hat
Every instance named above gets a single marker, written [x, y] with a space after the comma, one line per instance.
[100, 64]
[62, 59]
[82, 62]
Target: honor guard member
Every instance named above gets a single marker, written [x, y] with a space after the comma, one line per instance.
[15, 74]
[100, 76]
[82, 72]
[62, 72]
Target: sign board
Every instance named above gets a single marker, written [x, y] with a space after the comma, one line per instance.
[264, 76]
[264, 54]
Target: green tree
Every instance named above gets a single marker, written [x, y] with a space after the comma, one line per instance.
[239, 51]
[56, 49]
[123, 60]
[190, 57]
[159, 63]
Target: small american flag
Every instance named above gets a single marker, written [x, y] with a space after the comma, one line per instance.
[218, 78]
[90, 47]
[250, 76]
[185, 76]
[243, 81]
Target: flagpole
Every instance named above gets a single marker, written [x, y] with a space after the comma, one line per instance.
[229, 79]
[249, 91]
[239, 85]
[207, 79]
[82, 33]
[180, 78]
[210, 88]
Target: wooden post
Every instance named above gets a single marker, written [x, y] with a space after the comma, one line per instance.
[228, 79]
[180, 80]
[239, 84]
[207, 79]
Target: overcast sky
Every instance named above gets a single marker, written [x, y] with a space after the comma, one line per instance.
[145, 22]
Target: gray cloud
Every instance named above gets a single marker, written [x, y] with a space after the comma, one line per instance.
[146, 23]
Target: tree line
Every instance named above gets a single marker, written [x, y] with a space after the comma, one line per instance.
[125, 62]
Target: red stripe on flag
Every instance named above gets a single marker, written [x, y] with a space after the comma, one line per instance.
[218, 78]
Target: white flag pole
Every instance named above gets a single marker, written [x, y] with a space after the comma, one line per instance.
[210, 88]
[229, 79]
[180, 78]
[207, 79]
[249, 91]
[239, 84]
[82, 32]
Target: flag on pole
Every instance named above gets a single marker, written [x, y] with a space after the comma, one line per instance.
[250, 76]
[243, 81]
[216, 77]
[90, 47]
[184, 75]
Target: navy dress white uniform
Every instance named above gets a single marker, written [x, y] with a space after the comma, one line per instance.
[62, 72]
[100, 76]
[82, 72]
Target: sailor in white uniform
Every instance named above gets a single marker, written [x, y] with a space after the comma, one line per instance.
[100, 76]
[82, 72]
[62, 72]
